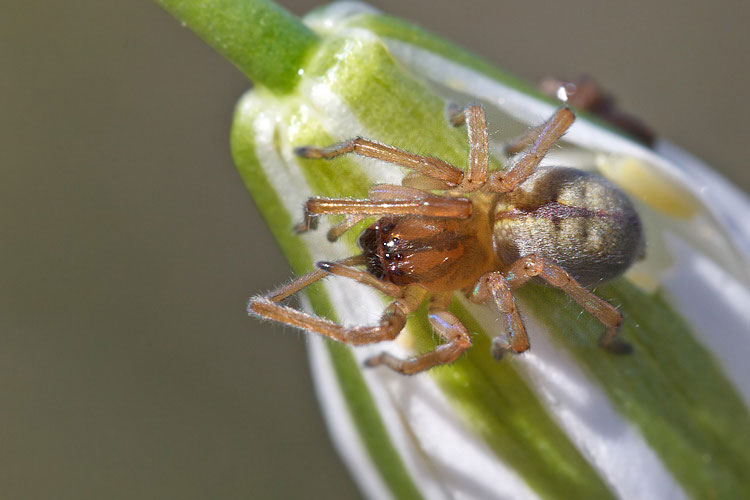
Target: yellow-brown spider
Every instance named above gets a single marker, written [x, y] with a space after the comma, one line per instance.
[486, 234]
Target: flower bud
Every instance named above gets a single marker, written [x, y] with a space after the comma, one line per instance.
[566, 419]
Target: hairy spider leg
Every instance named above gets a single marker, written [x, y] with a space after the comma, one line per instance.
[427, 206]
[447, 326]
[391, 322]
[518, 144]
[338, 230]
[429, 173]
[339, 269]
[530, 266]
[539, 140]
[308, 279]
[505, 181]
[378, 192]
[425, 165]
[493, 286]
[479, 150]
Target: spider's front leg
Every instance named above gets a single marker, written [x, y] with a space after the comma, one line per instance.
[391, 322]
[540, 140]
[427, 173]
[444, 173]
[385, 199]
[479, 149]
[381, 193]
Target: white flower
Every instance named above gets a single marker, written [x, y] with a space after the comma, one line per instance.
[565, 419]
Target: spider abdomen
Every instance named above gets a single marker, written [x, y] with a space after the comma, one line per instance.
[577, 219]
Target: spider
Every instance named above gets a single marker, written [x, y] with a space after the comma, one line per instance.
[486, 233]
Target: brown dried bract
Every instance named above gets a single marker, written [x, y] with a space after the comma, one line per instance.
[587, 95]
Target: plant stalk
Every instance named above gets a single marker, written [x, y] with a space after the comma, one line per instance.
[266, 42]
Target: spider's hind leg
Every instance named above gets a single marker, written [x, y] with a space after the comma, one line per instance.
[529, 266]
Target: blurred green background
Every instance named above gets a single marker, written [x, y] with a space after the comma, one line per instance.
[128, 368]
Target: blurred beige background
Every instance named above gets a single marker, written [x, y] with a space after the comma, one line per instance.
[128, 368]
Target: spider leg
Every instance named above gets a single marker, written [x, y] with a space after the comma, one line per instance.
[391, 322]
[425, 165]
[340, 269]
[529, 266]
[423, 182]
[427, 206]
[308, 279]
[518, 144]
[448, 327]
[378, 192]
[394, 192]
[479, 151]
[542, 139]
[339, 229]
[493, 286]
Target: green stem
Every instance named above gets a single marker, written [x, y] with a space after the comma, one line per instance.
[266, 42]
